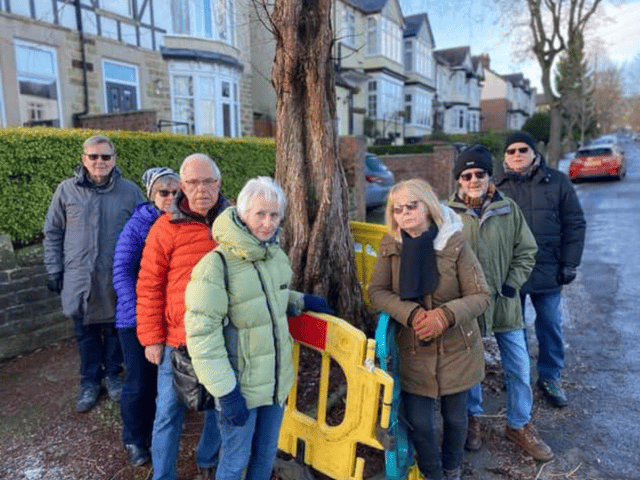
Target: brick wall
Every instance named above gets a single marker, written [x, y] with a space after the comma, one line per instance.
[137, 120]
[30, 315]
[435, 168]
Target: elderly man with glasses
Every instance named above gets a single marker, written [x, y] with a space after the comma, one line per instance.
[176, 242]
[554, 215]
[82, 225]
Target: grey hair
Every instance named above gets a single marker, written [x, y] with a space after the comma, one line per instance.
[264, 187]
[200, 157]
[98, 139]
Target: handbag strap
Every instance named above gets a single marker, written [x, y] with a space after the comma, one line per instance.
[225, 271]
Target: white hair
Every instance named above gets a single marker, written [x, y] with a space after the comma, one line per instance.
[200, 157]
[265, 187]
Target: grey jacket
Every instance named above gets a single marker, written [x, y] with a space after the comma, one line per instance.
[81, 229]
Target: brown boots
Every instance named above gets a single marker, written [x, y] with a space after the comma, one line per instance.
[474, 435]
[527, 437]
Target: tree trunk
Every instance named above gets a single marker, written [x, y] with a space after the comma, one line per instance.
[316, 232]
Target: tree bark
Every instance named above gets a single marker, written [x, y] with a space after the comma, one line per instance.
[316, 231]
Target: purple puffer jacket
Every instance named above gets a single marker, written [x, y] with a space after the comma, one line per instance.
[126, 262]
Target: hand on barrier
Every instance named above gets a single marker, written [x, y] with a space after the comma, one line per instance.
[566, 275]
[233, 408]
[54, 282]
[317, 304]
[430, 324]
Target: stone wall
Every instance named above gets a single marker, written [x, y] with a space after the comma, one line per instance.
[436, 168]
[30, 315]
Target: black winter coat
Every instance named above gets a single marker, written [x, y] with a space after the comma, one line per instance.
[554, 215]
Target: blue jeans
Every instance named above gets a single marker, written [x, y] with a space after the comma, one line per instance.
[421, 416]
[549, 332]
[515, 363]
[138, 402]
[167, 427]
[99, 348]
[253, 445]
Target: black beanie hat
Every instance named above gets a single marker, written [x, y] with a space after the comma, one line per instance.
[476, 156]
[520, 137]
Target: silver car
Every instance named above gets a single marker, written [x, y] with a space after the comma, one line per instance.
[378, 181]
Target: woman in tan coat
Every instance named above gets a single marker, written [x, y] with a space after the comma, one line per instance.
[428, 279]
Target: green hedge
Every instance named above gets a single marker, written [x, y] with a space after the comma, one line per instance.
[400, 149]
[33, 161]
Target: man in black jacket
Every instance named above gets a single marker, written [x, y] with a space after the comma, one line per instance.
[553, 213]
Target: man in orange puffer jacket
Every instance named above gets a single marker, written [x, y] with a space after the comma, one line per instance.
[176, 242]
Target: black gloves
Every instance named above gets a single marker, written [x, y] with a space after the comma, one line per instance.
[566, 275]
[233, 408]
[317, 304]
[508, 291]
[54, 282]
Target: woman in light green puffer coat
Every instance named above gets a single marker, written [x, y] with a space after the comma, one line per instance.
[237, 329]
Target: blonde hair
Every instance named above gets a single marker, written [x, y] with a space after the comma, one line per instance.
[424, 193]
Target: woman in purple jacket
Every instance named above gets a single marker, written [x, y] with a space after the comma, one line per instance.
[137, 404]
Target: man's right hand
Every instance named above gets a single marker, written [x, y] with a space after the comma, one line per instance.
[54, 282]
[153, 353]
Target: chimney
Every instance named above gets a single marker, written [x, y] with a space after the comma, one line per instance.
[485, 60]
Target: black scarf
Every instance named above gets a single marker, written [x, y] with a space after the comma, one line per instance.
[418, 271]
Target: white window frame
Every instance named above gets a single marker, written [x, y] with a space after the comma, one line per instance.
[54, 54]
[123, 82]
[373, 43]
[196, 10]
[349, 26]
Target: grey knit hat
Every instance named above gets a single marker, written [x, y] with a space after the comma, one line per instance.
[152, 175]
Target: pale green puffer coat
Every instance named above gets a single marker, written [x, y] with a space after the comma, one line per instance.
[256, 350]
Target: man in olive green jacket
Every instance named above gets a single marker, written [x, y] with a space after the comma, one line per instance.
[498, 233]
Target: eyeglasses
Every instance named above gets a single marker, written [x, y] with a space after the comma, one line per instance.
[468, 176]
[410, 206]
[207, 182]
[104, 156]
[166, 193]
[512, 151]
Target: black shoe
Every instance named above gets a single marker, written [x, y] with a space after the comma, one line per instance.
[114, 387]
[553, 392]
[138, 456]
[87, 398]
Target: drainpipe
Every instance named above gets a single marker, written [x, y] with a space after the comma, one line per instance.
[85, 86]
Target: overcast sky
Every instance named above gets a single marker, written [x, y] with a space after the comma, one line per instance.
[477, 24]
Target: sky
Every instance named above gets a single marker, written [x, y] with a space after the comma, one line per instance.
[480, 25]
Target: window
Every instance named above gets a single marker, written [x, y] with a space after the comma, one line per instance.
[205, 103]
[408, 55]
[407, 108]
[214, 19]
[461, 118]
[120, 86]
[349, 26]
[37, 75]
[372, 107]
[390, 40]
[372, 36]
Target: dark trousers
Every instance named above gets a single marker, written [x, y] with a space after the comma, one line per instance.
[138, 402]
[420, 413]
[100, 353]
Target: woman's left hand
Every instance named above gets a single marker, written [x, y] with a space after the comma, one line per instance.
[430, 324]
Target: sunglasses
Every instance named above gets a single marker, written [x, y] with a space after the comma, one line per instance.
[95, 156]
[166, 193]
[410, 206]
[468, 176]
[512, 151]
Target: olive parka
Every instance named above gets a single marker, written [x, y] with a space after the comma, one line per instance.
[453, 362]
[506, 249]
[255, 349]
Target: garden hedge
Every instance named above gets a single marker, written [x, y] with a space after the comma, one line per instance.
[33, 161]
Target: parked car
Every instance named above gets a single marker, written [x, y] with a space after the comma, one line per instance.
[598, 161]
[604, 140]
[378, 181]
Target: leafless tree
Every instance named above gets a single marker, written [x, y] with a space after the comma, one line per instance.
[316, 235]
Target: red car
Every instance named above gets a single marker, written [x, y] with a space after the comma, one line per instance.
[598, 161]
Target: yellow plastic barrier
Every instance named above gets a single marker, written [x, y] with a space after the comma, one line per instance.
[366, 238]
[332, 449]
